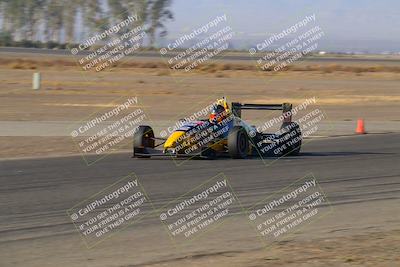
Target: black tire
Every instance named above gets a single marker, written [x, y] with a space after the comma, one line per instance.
[142, 139]
[238, 143]
[293, 144]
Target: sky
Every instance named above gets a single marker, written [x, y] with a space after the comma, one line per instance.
[349, 25]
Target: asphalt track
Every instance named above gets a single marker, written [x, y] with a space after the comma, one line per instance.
[35, 194]
[241, 57]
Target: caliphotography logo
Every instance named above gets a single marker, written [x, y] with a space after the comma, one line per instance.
[199, 133]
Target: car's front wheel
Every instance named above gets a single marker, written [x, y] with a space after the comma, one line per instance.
[142, 139]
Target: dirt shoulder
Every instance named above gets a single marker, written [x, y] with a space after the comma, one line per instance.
[373, 249]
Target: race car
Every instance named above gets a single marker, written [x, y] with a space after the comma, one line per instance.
[224, 133]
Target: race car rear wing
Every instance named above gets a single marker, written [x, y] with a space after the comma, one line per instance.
[285, 107]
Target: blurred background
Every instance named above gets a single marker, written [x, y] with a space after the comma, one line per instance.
[352, 27]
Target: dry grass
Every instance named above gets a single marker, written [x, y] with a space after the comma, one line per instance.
[354, 69]
[210, 67]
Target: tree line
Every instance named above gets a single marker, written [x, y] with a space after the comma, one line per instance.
[56, 22]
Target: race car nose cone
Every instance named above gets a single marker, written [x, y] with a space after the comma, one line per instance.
[173, 139]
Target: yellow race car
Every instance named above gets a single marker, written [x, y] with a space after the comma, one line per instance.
[224, 133]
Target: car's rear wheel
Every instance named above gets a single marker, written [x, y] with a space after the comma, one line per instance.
[293, 143]
[238, 143]
[142, 139]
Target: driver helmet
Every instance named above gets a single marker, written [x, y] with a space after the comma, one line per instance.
[217, 113]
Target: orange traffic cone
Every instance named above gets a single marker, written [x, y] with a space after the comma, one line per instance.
[360, 127]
